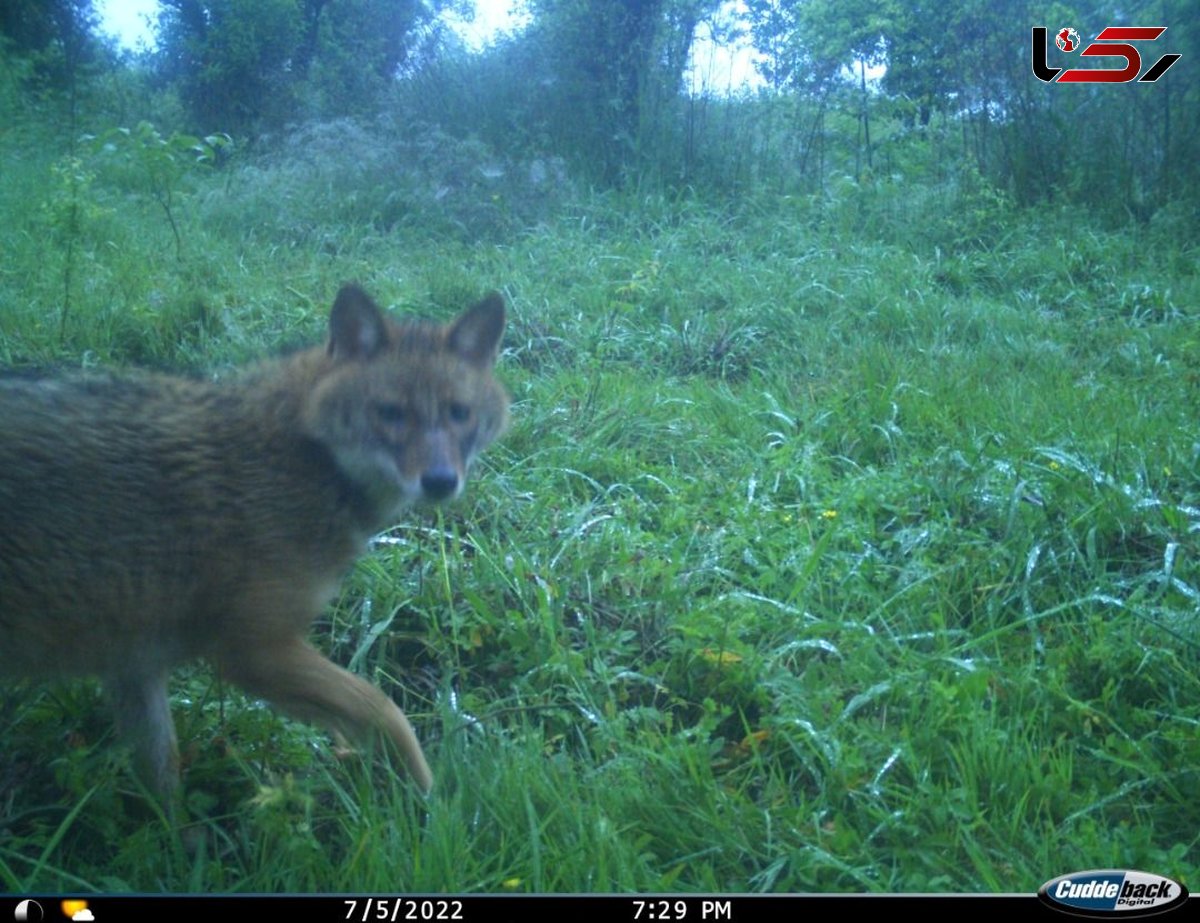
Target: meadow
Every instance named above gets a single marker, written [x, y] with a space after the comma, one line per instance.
[842, 542]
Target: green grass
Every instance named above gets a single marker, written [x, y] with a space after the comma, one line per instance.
[834, 545]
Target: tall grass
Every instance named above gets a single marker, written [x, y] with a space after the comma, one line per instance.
[841, 544]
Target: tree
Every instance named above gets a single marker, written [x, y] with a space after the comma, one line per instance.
[240, 64]
[352, 50]
[610, 68]
[35, 25]
[57, 36]
[230, 58]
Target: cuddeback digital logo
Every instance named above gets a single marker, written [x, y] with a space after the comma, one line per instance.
[1110, 43]
[1112, 892]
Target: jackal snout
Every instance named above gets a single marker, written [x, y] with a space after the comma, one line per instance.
[443, 476]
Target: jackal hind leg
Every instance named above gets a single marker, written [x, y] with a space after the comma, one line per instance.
[143, 718]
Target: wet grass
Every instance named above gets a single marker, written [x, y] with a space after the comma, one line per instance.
[820, 555]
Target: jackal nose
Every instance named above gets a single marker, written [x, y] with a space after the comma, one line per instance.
[439, 482]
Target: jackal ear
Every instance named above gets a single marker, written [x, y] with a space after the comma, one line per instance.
[476, 334]
[357, 329]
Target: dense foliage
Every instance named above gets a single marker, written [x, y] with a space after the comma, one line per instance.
[600, 84]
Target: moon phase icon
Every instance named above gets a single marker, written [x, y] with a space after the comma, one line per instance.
[28, 910]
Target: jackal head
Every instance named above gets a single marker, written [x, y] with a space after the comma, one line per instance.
[404, 407]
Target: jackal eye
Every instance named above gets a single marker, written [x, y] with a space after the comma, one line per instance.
[391, 414]
[459, 413]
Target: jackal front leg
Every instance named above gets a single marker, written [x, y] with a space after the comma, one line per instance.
[302, 682]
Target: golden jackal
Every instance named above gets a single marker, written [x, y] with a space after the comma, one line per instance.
[147, 521]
